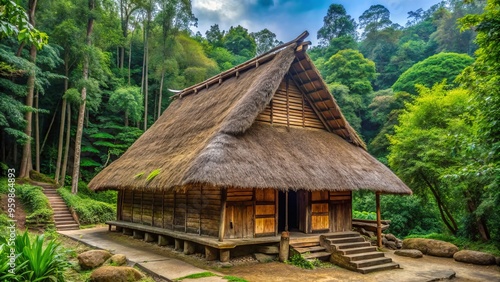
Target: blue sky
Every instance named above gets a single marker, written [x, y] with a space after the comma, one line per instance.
[289, 18]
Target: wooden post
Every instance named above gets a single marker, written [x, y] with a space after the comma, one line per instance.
[189, 248]
[210, 253]
[379, 223]
[286, 212]
[222, 220]
[178, 245]
[163, 240]
[224, 255]
[149, 237]
[284, 246]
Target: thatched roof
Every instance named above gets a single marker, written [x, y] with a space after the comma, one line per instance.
[209, 135]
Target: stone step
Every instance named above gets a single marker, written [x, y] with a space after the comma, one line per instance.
[309, 249]
[317, 255]
[68, 227]
[344, 246]
[379, 267]
[370, 262]
[364, 256]
[60, 209]
[64, 222]
[335, 241]
[63, 217]
[358, 250]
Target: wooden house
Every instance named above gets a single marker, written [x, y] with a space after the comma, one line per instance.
[253, 151]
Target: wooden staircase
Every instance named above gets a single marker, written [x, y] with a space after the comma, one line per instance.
[62, 216]
[309, 248]
[351, 251]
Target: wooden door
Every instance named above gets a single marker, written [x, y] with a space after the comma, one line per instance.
[341, 211]
[319, 211]
[239, 221]
[266, 212]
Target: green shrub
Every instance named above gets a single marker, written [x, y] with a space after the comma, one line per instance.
[364, 215]
[300, 261]
[40, 177]
[36, 204]
[89, 210]
[37, 259]
[108, 196]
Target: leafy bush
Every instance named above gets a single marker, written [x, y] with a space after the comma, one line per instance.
[36, 204]
[108, 196]
[36, 259]
[300, 261]
[364, 215]
[40, 177]
[89, 210]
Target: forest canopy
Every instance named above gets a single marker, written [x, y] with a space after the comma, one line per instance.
[81, 80]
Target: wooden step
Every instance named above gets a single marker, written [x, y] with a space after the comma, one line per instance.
[317, 255]
[370, 262]
[304, 244]
[342, 235]
[380, 267]
[335, 241]
[344, 246]
[364, 256]
[309, 249]
[358, 250]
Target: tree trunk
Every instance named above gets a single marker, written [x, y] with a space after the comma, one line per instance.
[66, 149]
[81, 112]
[26, 161]
[130, 58]
[161, 93]
[145, 70]
[481, 226]
[37, 134]
[63, 119]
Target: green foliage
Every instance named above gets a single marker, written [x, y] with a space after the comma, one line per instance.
[39, 212]
[239, 42]
[265, 40]
[153, 174]
[37, 259]
[129, 101]
[364, 215]
[336, 24]
[196, 276]
[89, 210]
[299, 261]
[435, 69]
[230, 278]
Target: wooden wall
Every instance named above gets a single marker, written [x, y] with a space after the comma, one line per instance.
[249, 212]
[195, 211]
[289, 107]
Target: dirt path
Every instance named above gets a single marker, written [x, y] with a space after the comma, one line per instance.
[423, 269]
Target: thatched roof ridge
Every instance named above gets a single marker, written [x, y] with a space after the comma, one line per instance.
[209, 135]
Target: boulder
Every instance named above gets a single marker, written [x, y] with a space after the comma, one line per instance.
[115, 274]
[391, 237]
[391, 245]
[409, 253]
[474, 257]
[263, 257]
[431, 247]
[118, 259]
[93, 258]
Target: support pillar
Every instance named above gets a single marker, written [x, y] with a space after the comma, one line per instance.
[127, 231]
[222, 219]
[210, 253]
[178, 245]
[189, 248]
[163, 240]
[379, 220]
[224, 255]
[149, 237]
[138, 234]
[284, 246]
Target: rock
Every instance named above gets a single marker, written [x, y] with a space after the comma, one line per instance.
[498, 260]
[363, 231]
[118, 259]
[391, 245]
[115, 274]
[436, 275]
[384, 241]
[431, 247]
[474, 257]
[224, 264]
[93, 258]
[399, 245]
[409, 253]
[270, 250]
[263, 257]
[391, 237]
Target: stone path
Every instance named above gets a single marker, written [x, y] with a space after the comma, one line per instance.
[158, 265]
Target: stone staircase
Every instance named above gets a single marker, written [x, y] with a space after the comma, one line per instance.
[309, 248]
[351, 251]
[62, 216]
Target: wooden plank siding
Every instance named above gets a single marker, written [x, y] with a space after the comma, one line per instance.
[265, 212]
[191, 212]
[340, 211]
[289, 107]
[320, 218]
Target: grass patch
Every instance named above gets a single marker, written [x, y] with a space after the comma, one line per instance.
[463, 243]
[299, 261]
[89, 210]
[196, 276]
[234, 279]
[152, 175]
